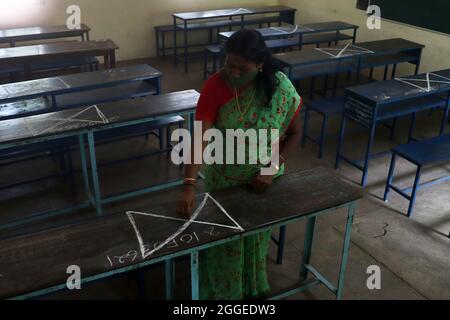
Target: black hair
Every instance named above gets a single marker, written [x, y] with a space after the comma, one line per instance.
[250, 45]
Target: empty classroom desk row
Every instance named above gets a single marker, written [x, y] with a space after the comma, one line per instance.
[25, 58]
[370, 104]
[290, 37]
[85, 124]
[51, 94]
[317, 62]
[189, 21]
[17, 35]
[98, 246]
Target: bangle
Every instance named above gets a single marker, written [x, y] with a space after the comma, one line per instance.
[190, 181]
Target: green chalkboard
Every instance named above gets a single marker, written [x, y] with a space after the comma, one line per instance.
[432, 14]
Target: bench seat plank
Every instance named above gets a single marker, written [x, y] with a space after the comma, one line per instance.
[425, 152]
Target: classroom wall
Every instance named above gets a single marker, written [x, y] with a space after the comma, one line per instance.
[436, 55]
[130, 23]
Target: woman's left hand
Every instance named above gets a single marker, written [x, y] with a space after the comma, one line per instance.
[261, 183]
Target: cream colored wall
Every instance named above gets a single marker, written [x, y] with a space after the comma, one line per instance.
[128, 22]
[436, 54]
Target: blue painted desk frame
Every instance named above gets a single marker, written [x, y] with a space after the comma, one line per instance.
[154, 77]
[305, 266]
[289, 31]
[147, 73]
[311, 60]
[93, 194]
[12, 36]
[286, 15]
[429, 157]
[366, 103]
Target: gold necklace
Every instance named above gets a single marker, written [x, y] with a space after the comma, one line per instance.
[247, 108]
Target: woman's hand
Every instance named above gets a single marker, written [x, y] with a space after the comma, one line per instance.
[261, 183]
[186, 205]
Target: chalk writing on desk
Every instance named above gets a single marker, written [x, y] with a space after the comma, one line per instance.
[426, 83]
[347, 51]
[91, 116]
[186, 238]
[147, 252]
[241, 11]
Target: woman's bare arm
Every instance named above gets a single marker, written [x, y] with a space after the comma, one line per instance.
[187, 203]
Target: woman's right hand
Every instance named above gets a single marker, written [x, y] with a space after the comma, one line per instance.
[186, 205]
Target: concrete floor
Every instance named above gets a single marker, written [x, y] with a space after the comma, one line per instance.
[413, 254]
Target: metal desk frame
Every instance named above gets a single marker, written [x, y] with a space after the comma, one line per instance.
[236, 13]
[93, 194]
[305, 267]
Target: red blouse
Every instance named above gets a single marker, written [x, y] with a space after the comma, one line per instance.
[215, 94]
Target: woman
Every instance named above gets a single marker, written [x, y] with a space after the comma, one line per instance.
[249, 93]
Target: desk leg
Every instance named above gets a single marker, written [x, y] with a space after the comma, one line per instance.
[106, 61]
[345, 252]
[386, 70]
[309, 236]
[84, 168]
[412, 127]
[340, 143]
[95, 181]
[170, 277]
[394, 71]
[112, 59]
[195, 276]
[191, 122]
[446, 114]
[368, 155]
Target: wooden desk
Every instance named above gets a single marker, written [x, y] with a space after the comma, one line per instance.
[37, 264]
[286, 14]
[12, 36]
[82, 124]
[305, 63]
[75, 90]
[311, 33]
[24, 56]
[369, 104]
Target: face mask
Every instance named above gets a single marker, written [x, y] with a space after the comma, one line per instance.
[240, 81]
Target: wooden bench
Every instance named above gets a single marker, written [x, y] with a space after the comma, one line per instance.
[13, 36]
[423, 153]
[25, 57]
[327, 108]
[88, 63]
[214, 52]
